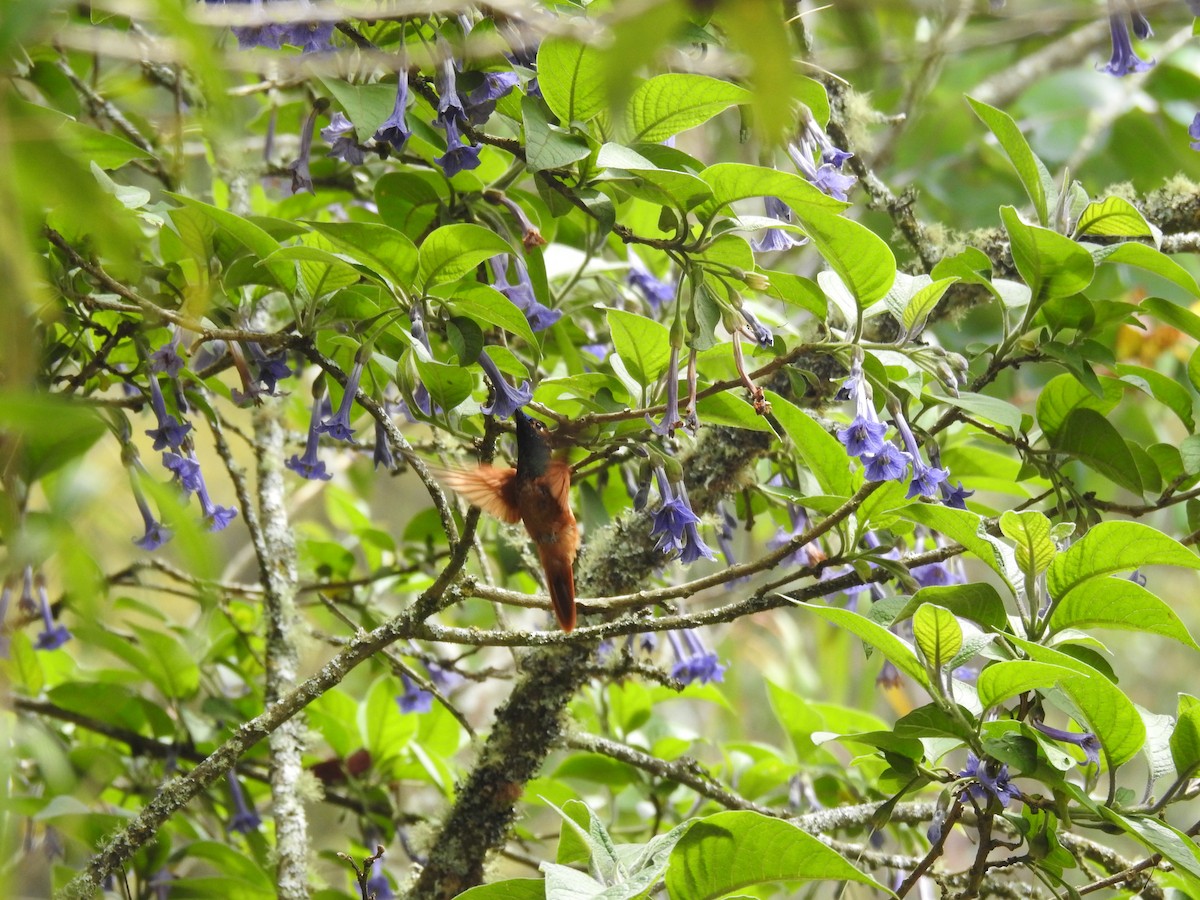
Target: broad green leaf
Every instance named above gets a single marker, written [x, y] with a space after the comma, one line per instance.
[1113, 217]
[588, 828]
[512, 889]
[1163, 388]
[797, 291]
[1002, 681]
[922, 303]
[894, 648]
[1150, 259]
[448, 385]
[959, 525]
[1052, 265]
[668, 104]
[1175, 846]
[1031, 170]
[1064, 393]
[643, 345]
[366, 105]
[409, 201]
[251, 236]
[663, 187]
[548, 146]
[937, 633]
[1095, 441]
[1030, 530]
[322, 272]
[378, 247]
[45, 432]
[22, 665]
[1185, 739]
[731, 182]
[452, 251]
[731, 410]
[173, 667]
[860, 257]
[1111, 715]
[1115, 547]
[573, 75]
[722, 853]
[822, 453]
[100, 148]
[487, 305]
[1121, 604]
[386, 731]
[991, 409]
[976, 601]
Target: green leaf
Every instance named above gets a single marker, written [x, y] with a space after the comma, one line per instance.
[732, 411]
[452, 251]
[386, 731]
[977, 601]
[1052, 265]
[512, 889]
[1115, 547]
[409, 201]
[487, 305]
[861, 258]
[1150, 259]
[663, 187]
[643, 345]
[588, 828]
[731, 182]
[1095, 441]
[668, 104]
[959, 525]
[937, 633]
[381, 249]
[894, 648]
[722, 853]
[1001, 681]
[322, 272]
[1121, 604]
[44, 432]
[252, 237]
[1063, 394]
[991, 409]
[1175, 846]
[797, 291]
[822, 453]
[366, 105]
[1185, 738]
[573, 72]
[100, 148]
[22, 664]
[922, 303]
[1113, 217]
[548, 146]
[1030, 531]
[1031, 170]
[173, 667]
[448, 385]
[1164, 389]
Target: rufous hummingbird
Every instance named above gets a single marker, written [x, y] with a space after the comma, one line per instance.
[536, 493]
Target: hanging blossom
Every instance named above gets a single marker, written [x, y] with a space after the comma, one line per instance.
[395, 130]
[415, 698]
[53, 635]
[1194, 132]
[420, 393]
[1124, 60]
[310, 37]
[506, 399]
[991, 780]
[676, 524]
[339, 134]
[694, 661]
[309, 466]
[338, 425]
[170, 431]
[828, 176]
[301, 176]
[166, 360]
[378, 885]
[656, 292]
[864, 436]
[670, 420]
[481, 102]
[926, 479]
[156, 534]
[521, 293]
[775, 240]
[188, 474]
[27, 605]
[954, 497]
[451, 117]
[381, 454]
[1085, 741]
[244, 818]
[218, 517]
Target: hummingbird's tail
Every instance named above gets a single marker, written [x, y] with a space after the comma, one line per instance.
[561, 582]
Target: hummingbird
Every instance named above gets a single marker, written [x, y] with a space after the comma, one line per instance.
[536, 493]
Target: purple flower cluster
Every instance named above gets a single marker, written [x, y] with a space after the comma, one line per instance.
[309, 465]
[990, 781]
[310, 37]
[656, 292]
[675, 524]
[521, 293]
[1124, 60]
[777, 239]
[415, 698]
[451, 117]
[693, 661]
[827, 176]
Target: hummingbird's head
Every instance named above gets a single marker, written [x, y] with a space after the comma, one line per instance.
[533, 446]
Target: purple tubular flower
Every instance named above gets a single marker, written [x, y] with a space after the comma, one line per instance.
[828, 177]
[271, 369]
[830, 154]
[694, 547]
[521, 293]
[831, 181]
[27, 604]
[217, 516]
[443, 677]
[889, 464]
[338, 426]
[1194, 132]
[655, 292]
[378, 885]
[481, 102]
[889, 675]
[725, 535]
[936, 575]
[776, 239]
[695, 662]
[166, 359]
[340, 135]
[382, 455]
[925, 478]
[863, 437]
[301, 177]
[52, 636]
[185, 469]
[451, 115]
[672, 517]
[992, 781]
[1141, 25]
[170, 431]
[1124, 60]
[670, 420]
[506, 399]
[310, 37]
[954, 497]
[415, 699]
[761, 333]
[309, 466]
[1137, 577]
[395, 130]
[156, 534]
[1086, 741]
[420, 392]
[244, 818]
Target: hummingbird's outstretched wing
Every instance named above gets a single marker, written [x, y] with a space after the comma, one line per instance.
[488, 487]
